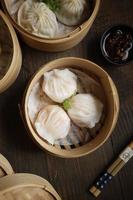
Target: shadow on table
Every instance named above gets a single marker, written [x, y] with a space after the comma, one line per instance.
[14, 132]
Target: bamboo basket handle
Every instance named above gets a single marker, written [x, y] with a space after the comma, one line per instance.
[5, 165]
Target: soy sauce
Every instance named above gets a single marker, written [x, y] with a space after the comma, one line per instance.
[118, 45]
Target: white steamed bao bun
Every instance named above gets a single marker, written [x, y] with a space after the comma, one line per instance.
[71, 11]
[52, 123]
[59, 85]
[85, 110]
[38, 19]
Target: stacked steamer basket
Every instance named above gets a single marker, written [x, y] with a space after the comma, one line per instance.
[97, 135]
[10, 54]
[23, 186]
[55, 44]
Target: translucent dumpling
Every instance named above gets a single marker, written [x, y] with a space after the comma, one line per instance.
[38, 19]
[52, 123]
[85, 110]
[71, 12]
[59, 84]
[36, 101]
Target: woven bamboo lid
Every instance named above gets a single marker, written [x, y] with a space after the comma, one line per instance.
[10, 53]
[26, 187]
[23, 186]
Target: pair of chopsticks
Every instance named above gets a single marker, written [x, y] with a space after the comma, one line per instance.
[112, 171]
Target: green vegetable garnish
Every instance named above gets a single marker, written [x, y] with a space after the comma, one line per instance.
[67, 104]
[54, 5]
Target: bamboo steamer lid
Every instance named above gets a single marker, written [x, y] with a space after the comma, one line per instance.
[23, 186]
[57, 44]
[10, 54]
[107, 126]
[5, 167]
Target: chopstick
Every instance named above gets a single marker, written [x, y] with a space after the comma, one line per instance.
[112, 171]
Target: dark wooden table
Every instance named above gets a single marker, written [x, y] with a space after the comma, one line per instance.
[72, 177]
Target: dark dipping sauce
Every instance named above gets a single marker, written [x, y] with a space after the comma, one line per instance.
[117, 44]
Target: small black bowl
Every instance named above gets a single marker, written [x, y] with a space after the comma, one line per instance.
[117, 44]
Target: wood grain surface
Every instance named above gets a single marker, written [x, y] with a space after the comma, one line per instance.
[72, 177]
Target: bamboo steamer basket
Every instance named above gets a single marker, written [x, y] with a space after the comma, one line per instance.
[112, 108]
[57, 44]
[14, 64]
[23, 186]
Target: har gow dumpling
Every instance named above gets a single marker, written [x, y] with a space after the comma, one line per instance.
[85, 110]
[52, 123]
[36, 101]
[71, 12]
[59, 84]
[38, 19]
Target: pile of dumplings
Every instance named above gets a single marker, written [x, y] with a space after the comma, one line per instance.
[37, 18]
[61, 105]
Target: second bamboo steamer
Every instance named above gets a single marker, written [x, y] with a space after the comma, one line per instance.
[23, 186]
[57, 44]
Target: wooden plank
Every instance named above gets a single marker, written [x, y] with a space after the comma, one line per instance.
[71, 177]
